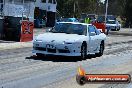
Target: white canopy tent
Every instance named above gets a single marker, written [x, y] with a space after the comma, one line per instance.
[48, 5]
[19, 8]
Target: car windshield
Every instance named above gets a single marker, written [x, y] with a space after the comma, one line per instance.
[69, 20]
[111, 22]
[70, 28]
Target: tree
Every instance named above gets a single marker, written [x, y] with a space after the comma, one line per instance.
[127, 13]
[66, 7]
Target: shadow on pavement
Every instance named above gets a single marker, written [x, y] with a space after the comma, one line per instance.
[4, 41]
[119, 33]
[60, 58]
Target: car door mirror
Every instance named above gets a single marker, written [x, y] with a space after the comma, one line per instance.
[92, 33]
[100, 30]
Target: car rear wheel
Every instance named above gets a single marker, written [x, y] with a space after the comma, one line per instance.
[101, 50]
[83, 51]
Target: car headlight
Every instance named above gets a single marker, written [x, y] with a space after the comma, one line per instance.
[67, 42]
[37, 40]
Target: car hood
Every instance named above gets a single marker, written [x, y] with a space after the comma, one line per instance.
[59, 37]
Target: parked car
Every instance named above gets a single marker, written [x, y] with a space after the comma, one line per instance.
[70, 39]
[113, 25]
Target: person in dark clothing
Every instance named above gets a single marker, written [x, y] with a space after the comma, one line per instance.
[6, 26]
[107, 31]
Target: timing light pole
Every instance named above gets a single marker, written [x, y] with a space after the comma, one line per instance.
[106, 11]
[74, 9]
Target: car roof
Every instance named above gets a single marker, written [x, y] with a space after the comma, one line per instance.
[75, 23]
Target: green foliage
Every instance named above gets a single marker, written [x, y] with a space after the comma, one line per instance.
[127, 12]
[121, 8]
[66, 7]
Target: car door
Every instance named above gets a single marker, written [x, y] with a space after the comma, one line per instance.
[93, 39]
[98, 36]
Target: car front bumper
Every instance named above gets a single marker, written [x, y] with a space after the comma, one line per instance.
[57, 49]
[57, 53]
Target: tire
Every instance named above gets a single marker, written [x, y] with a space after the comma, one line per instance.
[83, 51]
[101, 50]
[118, 29]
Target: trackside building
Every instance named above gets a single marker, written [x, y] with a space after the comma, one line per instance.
[45, 10]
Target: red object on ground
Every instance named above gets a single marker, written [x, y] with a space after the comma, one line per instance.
[26, 31]
[100, 26]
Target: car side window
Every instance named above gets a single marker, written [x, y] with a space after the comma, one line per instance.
[92, 30]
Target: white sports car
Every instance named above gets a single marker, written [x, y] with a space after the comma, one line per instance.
[70, 39]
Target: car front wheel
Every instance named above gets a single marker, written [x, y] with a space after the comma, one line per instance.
[101, 50]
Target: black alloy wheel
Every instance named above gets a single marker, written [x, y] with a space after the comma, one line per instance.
[101, 50]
